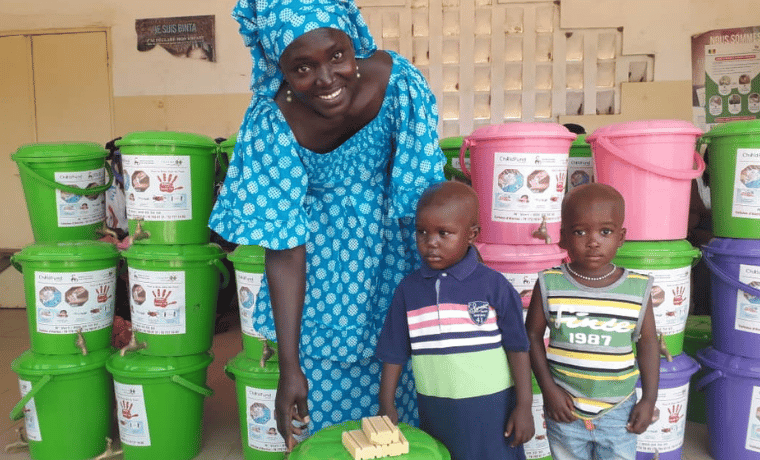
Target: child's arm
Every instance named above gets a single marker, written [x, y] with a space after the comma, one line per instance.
[387, 397]
[648, 357]
[558, 404]
[521, 420]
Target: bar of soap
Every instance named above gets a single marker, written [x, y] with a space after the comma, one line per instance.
[359, 446]
[380, 430]
[400, 447]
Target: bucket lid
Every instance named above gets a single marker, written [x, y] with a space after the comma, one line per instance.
[241, 366]
[147, 366]
[520, 252]
[229, 144]
[522, 129]
[251, 254]
[733, 247]
[166, 138]
[68, 251]
[451, 143]
[699, 328]
[30, 363]
[579, 147]
[682, 367]
[644, 128]
[48, 151]
[734, 128]
[732, 364]
[163, 252]
[656, 252]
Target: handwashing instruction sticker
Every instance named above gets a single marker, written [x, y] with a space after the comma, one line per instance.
[524, 283]
[248, 285]
[157, 187]
[746, 202]
[666, 433]
[580, 171]
[31, 422]
[260, 421]
[78, 210]
[69, 302]
[747, 318]
[157, 301]
[670, 298]
[753, 426]
[131, 414]
[528, 186]
[538, 445]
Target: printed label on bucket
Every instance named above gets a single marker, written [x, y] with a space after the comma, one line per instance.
[458, 165]
[528, 186]
[157, 301]
[131, 414]
[538, 445]
[580, 171]
[523, 283]
[31, 422]
[752, 441]
[666, 433]
[747, 318]
[68, 302]
[747, 184]
[670, 298]
[248, 285]
[260, 421]
[78, 210]
[157, 187]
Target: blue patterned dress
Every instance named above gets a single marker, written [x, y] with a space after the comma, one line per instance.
[353, 208]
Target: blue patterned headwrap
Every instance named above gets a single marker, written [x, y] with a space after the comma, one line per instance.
[269, 26]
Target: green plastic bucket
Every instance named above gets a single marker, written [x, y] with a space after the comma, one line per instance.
[580, 165]
[66, 402]
[452, 170]
[698, 335]
[159, 404]
[226, 148]
[63, 185]
[172, 296]
[537, 447]
[669, 262]
[248, 262]
[734, 166]
[256, 388]
[169, 186]
[70, 289]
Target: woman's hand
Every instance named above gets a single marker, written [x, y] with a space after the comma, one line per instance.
[290, 404]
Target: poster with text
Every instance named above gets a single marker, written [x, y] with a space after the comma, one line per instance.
[186, 36]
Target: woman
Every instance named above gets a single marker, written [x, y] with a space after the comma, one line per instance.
[336, 147]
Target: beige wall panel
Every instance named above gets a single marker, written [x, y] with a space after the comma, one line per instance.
[72, 87]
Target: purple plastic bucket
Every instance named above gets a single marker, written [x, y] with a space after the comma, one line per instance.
[734, 266]
[664, 437]
[732, 394]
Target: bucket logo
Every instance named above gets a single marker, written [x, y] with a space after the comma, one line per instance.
[478, 311]
[102, 293]
[674, 413]
[161, 298]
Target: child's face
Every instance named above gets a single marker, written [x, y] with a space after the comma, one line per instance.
[591, 234]
[444, 233]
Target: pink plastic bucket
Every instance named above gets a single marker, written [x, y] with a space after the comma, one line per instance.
[651, 163]
[519, 172]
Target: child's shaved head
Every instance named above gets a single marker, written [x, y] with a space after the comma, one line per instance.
[460, 196]
[585, 194]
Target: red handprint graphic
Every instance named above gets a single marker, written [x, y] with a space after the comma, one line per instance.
[561, 182]
[161, 298]
[166, 183]
[674, 413]
[678, 297]
[102, 293]
[126, 410]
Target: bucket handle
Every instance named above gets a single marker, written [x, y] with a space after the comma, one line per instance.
[201, 389]
[466, 143]
[708, 379]
[16, 264]
[736, 284]
[67, 188]
[224, 164]
[223, 270]
[18, 410]
[680, 174]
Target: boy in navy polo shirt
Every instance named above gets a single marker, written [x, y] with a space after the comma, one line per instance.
[461, 324]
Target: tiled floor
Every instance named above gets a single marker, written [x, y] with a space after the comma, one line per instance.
[221, 435]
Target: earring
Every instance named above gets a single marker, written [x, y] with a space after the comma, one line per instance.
[289, 96]
[358, 75]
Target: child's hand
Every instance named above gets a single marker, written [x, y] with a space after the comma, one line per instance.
[641, 417]
[558, 405]
[521, 424]
[390, 411]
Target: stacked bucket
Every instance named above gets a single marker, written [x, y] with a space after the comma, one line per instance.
[69, 284]
[732, 365]
[174, 277]
[652, 163]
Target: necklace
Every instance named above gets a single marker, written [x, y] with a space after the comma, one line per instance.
[590, 278]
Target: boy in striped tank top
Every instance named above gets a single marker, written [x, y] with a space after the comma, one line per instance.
[595, 312]
[461, 324]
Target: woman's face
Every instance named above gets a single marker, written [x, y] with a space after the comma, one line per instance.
[320, 68]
